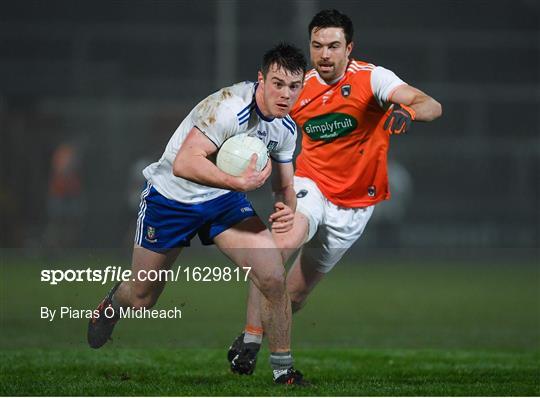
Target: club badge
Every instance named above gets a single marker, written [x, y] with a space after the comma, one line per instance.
[346, 90]
[272, 145]
[151, 234]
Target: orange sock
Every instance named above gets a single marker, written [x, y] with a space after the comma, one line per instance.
[253, 334]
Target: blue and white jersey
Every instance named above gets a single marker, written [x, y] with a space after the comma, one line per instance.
[228, 112]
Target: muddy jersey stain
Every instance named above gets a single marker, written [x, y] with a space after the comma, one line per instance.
[206, 111]
[226, 93]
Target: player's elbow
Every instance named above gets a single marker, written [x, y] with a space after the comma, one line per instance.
[434, 110]
[430, 110]
[437, 110]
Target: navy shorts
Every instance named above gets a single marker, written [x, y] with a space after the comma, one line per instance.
[164, 224]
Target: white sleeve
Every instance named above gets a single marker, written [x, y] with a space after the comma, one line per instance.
[218, 122]
[383, 84]
[284, 151]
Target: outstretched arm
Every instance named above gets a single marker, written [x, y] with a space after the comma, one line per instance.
[410, 104]
[425, 108]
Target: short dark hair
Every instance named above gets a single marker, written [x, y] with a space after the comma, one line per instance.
[332, 19]
[284, 56]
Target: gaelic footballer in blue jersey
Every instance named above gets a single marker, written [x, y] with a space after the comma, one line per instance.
[187, 195]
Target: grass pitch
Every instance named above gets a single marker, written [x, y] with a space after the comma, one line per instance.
[391, 328]
[204, 371]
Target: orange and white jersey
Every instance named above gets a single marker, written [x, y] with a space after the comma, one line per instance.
[344, 145]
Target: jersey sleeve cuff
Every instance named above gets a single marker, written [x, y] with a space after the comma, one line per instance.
[281, 160]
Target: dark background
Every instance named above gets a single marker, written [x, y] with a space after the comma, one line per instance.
[455, 311]
[114, 79]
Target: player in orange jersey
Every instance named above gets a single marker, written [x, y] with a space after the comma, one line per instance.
[347, 111]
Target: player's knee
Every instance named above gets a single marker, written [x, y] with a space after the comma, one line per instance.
[143, 300]
[298, 299]
[273, 284]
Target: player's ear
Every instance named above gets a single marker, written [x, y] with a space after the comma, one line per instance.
[260, 77]
[349, 48]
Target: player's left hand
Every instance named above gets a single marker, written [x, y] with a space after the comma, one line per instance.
[400, 119]
[282, 219]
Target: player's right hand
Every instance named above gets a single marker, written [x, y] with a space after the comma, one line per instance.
[252, 179]
[400, 119]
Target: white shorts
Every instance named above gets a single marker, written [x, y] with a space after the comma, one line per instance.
[332, 229]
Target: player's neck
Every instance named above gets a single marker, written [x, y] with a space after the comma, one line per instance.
[260, 105]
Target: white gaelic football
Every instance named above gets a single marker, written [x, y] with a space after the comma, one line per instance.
[234, 155]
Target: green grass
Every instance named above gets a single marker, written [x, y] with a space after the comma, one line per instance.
[331, 371]
[387, 328]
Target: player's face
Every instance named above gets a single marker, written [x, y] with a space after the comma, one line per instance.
[329, 52]
[280, 90]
